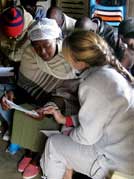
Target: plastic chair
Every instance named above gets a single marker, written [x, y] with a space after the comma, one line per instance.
[113, 15]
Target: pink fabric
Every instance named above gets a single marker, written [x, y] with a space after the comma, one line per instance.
[24, 163]
[31, 171]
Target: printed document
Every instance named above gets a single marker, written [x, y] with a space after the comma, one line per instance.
[50, 132]
[20, 108]
[6, 71]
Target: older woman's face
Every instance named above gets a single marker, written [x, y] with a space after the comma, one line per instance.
[45, 48]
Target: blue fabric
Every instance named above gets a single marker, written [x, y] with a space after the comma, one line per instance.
[13, 148]
[6, 115]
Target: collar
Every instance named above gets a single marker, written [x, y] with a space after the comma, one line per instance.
[91, 70]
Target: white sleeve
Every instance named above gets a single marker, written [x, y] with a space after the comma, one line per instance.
[93, 116]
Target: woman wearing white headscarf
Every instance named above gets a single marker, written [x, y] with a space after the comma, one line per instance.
[44, 78]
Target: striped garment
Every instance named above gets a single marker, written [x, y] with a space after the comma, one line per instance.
[37, 82]
[40, 83]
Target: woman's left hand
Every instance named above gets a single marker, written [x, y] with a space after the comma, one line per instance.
[39, 112]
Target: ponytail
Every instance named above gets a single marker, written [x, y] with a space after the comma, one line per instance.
[114, 62]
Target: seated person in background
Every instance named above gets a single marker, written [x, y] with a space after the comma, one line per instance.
[3, 4]
[126, 32]
[126, 36]
[6, 3]
[37, 11]
[102, 141]
[44, 78]
[65, 22]
[85, 23]
[98, 26]
[14, 35]
[125, 56]
[14, 22]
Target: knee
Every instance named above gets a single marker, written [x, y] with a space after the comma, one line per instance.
[51, 148]
[50, 143]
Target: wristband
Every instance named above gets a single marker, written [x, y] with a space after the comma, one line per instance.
[69, 121]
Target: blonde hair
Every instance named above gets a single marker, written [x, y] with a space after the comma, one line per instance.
[91, 48]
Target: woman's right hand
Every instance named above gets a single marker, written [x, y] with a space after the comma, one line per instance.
[59, 117]
[8, 95]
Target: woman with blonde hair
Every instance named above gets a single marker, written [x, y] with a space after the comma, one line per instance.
[103, 139]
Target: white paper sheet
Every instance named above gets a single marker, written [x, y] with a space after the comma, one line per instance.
[50, 132]
[6, 71]
[20, 108]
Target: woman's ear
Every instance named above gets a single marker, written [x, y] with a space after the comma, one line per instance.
[80, 65]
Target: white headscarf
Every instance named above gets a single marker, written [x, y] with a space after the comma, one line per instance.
[44, 29]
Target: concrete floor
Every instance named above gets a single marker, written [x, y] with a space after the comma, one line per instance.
[8, 164]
